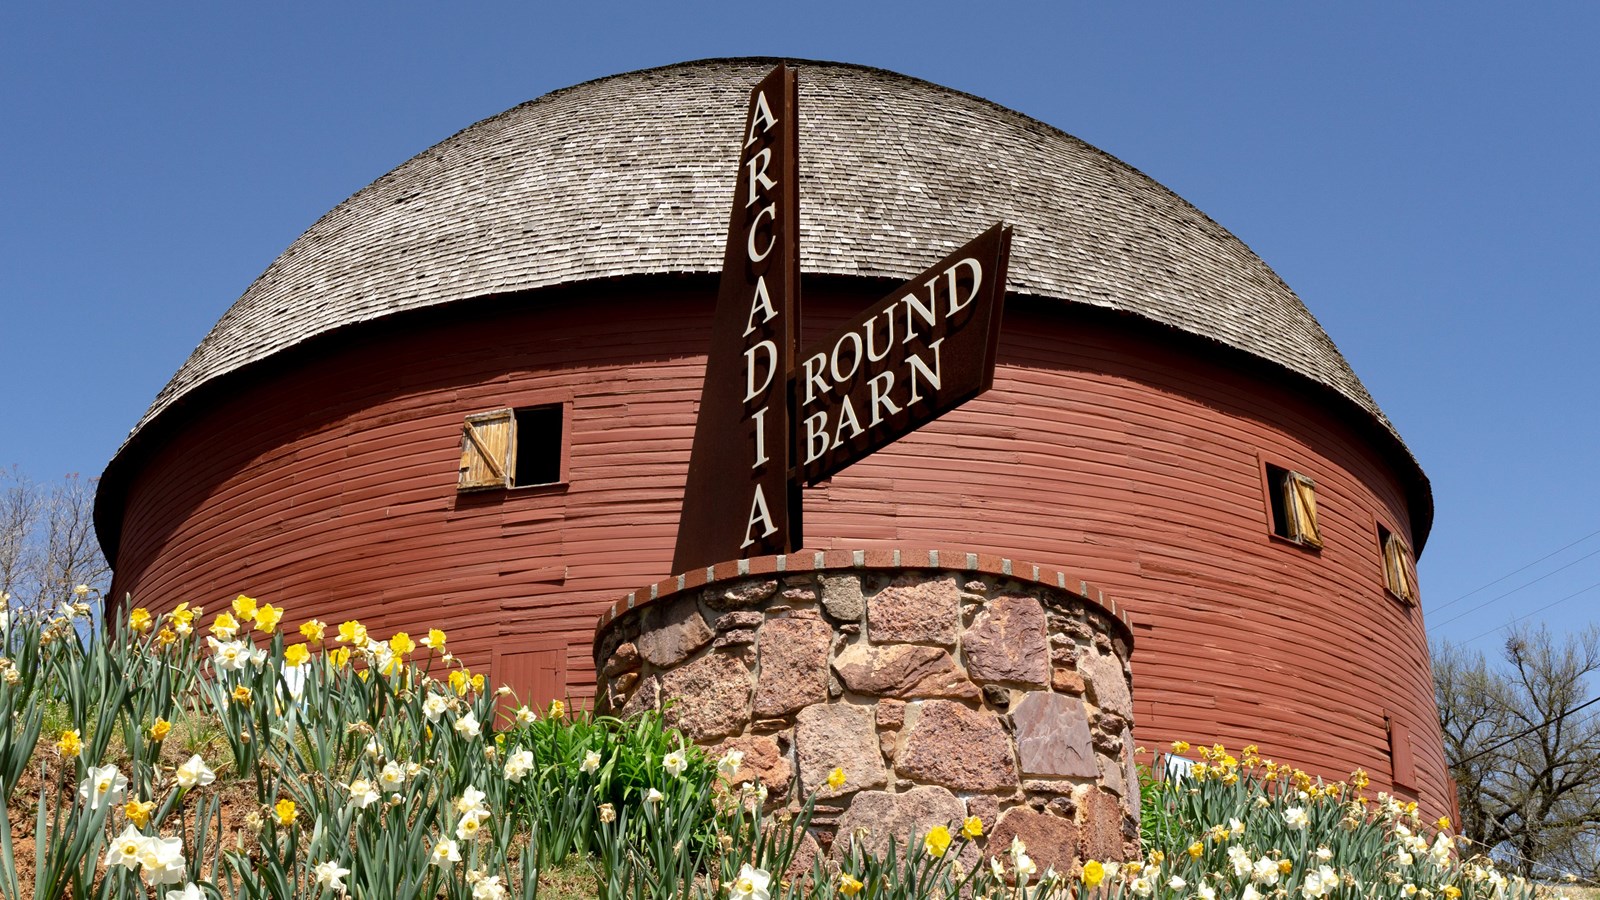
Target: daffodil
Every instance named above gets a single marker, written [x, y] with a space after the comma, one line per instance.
[937, 841]
[1295, 817]
[125, 848]
[244, 607]
[103, 784]
[296, 655]
[139, 813]
[329, 875]
[468, 726]
[313, 630]
[434, 641]
[352, 632]
[674, 763]
[1093, 871]
[195, 773]
[340, 657]
[444, 853]
[190, 891]
[70, 743]
[401, 644]
[728, 765]
[268, 617]
[362, 793]
[161, 861]
[750, 884]
[139, 620]
[557, 709]
[652, 796]
[284, 812]
[224, 626]
[848, 885]
[590, 764]
[520, 763]
[972, 828]
[836, 778]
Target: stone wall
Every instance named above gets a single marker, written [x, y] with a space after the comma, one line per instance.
[945, 684]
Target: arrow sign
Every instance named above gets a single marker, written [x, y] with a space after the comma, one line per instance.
[907, 360]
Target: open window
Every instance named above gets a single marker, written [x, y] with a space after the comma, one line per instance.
[511, 448]
[1293, 498]
[1399, 567]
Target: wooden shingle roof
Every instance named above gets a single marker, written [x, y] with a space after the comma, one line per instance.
[633, 174]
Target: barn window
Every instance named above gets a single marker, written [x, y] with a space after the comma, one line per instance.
[509, 448]
[1293, 498]
[1399, 567]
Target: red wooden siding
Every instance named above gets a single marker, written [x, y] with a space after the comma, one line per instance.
[326, 483]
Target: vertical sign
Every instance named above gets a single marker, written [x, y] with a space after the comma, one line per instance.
[737, 498]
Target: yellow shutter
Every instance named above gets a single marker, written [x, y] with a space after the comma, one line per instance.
[488, 449]
[1300, 500]
[1399, 570]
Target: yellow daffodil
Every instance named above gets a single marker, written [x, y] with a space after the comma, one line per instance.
[224, 626]
[557, 709]
[1094, 872]
[848, 885]
[183, 618]
[1178, 747]
[1285, 866]
[1451, 891]
[1359, 779]
[1443, 823]
[402, 644]
[477, 685]
[166, 637]
[937, 841]
[268, 617]
[1197, 850]
[296, 655]
[139, 620]
[284, 812]
[972, 828]
[159, 731]
[352, 632]
[70, 743]
[434, 640]
[459, 680]
[340, 656]
[241, 695]
[1157, 858]
[139, 813]
[836, 778]
[313, 630]
[244, 607]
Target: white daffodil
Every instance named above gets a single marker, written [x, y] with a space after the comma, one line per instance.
[750, 884]
[329, 874]
[435, 706]
[1265, 871]
[1250, 893]
[591, 762]
[674, 763]
[1324, 854]
[1295, 817]
[125, 848]
[195, 773]
[104, 784]
[1235, 827]
[161, 861]
[488, 887]
[728, 765]
[1206, 892]
[444, 853]
[471, 823]
[526, 716]
[471, 798]
[1177, 883]
[190, 892]
[653, 796]
[467, 726]
[229, 656]
[519, 764]
[1239, 859]
[1441, 849]
[362, 793]
[1142, 886]
[392, 776]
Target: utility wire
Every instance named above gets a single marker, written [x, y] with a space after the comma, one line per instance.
[1515, 572]
[1468, 612]
[1530, 730]
[1526, 615]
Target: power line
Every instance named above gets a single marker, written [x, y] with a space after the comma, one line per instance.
[1491, 584]
[1531, 729]
[1524, 616]
[1474, 609]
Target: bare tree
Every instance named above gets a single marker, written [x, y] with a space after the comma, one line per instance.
[47, 540]
[1523, 743]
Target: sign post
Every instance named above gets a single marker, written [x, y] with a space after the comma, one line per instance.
[766, 425]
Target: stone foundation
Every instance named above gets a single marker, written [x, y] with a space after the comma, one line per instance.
[945, 684]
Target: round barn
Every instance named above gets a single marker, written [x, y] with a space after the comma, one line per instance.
[465, 397]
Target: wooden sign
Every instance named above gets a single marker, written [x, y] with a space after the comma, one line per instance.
[907, 360]
[767, 425]
[737, 501]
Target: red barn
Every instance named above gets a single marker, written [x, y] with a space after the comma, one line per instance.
[1168, 419]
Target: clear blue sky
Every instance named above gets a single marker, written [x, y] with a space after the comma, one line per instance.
[1423, 175]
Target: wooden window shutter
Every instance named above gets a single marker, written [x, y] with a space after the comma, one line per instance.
[488, 450]
[1402, 765]
[1399, 569]
[1300, 500]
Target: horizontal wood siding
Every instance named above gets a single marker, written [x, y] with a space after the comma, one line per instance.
[327, 484]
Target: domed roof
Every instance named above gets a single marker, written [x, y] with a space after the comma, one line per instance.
[632, 174]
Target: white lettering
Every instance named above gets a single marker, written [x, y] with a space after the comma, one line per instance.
[762, 113]
[758, 176]
[916, 365]
[816, 427]
[752, 390]
[770, 211]
[761, 438]
[855, 357]
[847, 413]
[925, 312]
[888, 343]
[880, 395]
[758, 516]
[762, 302]
[977, 282]
[815, 383]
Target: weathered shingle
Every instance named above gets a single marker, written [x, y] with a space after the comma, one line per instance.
[633, 174]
